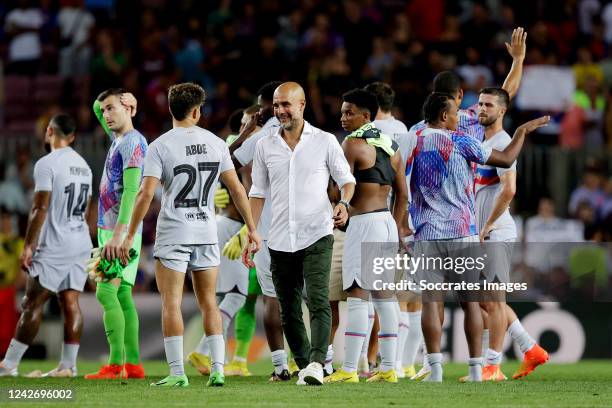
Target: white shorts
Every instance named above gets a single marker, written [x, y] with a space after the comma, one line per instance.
[368, 236]
[59, 277]
[264, 274]
[232, 274]
[184, 258]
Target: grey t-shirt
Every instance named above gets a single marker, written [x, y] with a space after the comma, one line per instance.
[188, 162]
[64, 237]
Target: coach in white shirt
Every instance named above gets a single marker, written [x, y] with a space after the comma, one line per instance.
[294, 164]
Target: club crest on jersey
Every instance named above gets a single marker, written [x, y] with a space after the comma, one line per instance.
[190, 150]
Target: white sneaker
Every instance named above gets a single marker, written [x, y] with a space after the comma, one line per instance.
[312, 374]
[423, 374]
[8, 372]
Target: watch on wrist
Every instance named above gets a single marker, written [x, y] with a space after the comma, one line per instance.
[345, 203]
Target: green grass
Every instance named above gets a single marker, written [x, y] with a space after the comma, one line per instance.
[574, 385]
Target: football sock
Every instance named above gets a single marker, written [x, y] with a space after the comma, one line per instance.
[355, 334]
[387, 336]
[114, 321]
[520, 336]
[131, 344]
[414, 339]
[244, 328]
[14, 354]
[174, 354]
[216, 344]
[69, 355]
[279, 361]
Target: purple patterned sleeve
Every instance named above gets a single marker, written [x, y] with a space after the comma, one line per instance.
[133, 151]
[471, 149]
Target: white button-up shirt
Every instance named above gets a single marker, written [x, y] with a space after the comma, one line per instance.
[298, 179]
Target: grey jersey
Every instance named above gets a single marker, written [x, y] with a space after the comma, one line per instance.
[487, 186]
[245, 154]
[64, 235]
[188, 161]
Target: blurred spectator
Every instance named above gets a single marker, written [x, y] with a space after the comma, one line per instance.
[589, 192]
[585, 68]
[583, 123]
[380, 62]
[23, 25]
[606, 208]
[108, 64]
[11, 277]
[75, 24]
[545, 225]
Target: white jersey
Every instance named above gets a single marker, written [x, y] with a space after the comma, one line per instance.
[487, 186]
[188, 161]
[64, 234]
[244, 154]
[397, 131]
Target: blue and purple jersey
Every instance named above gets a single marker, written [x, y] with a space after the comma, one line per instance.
[442, 184]
[125, 152]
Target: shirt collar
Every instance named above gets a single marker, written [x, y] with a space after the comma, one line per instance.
[307, 131]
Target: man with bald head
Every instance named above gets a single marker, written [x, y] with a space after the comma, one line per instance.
[294, 163]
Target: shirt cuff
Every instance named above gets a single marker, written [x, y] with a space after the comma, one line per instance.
[341, 181]
[257, 192]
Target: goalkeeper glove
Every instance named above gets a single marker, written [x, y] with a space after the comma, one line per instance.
[103, 270]
[222, 198]
[233, 247]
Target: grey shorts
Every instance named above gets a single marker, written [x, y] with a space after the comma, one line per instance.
[451, 255]
[186, 258]
[59, 277]
[499, 260]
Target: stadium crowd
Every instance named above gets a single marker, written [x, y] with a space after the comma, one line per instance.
[58, 55]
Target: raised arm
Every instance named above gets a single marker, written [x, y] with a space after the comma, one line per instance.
[516, 49]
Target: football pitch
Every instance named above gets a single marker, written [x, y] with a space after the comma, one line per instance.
[585, 384]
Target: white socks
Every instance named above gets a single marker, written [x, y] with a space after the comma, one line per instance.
[475, 369]
[366, 341]
[229, 306]
[279, 361]
[414, 339]
[356, 332]
[216, 345]
[69, 355]
[174, 354]
[402, 337]
[434, 360]
[202, 347]
[14, 353]
[329, 359]
[387, 336]
[493, 357]
[520, 336]
[485, 341]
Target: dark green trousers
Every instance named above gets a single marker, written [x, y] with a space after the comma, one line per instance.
[290, 271]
